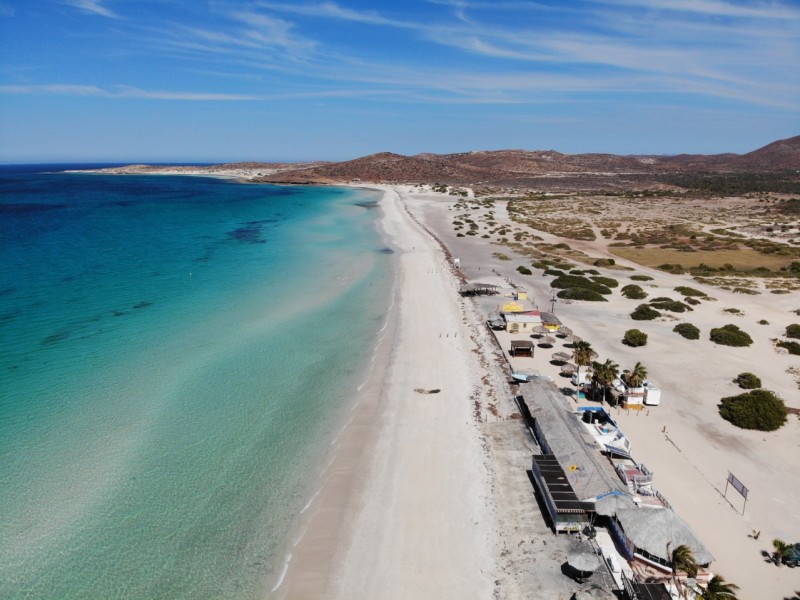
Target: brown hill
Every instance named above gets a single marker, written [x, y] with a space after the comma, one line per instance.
[539, 168]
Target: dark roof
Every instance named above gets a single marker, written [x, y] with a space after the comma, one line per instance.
[568, 440]
[521, 344]
[558, 487]
[649, 591]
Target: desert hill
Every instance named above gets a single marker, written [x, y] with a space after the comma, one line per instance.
[541, 168]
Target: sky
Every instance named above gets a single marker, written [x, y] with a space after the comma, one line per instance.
[262, 80]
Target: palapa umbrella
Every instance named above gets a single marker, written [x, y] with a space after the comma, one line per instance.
[540, 330]
[561, 356]
[547, 340]
[574, 339]
[583, 561]
[564, 331]
[608, 506]
[568, 368]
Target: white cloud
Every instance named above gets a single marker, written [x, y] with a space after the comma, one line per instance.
[92, 6]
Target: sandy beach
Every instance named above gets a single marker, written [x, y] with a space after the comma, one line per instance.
[427, 494]
[684, 441]
[402, 510]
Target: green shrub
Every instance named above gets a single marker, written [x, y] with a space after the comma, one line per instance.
[581, 294]
[684, 290]
[524, 270]
[763, 322]
[747, 381]
[730, 335]
[604, 262]
[641, 278]
[576, 272]
[733, 311]
[576, 281]
[644, 313]
[554, 272]
[540, 265]
[606, 281]
[635, 338]
[792, 347]
[759, 409]
[687, 330]
[674, 269]
[692, 301]
[633, 291]
[793, 331]
[670, 305]
[591, 272]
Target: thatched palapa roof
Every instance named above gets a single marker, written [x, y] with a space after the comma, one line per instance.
[651, 529]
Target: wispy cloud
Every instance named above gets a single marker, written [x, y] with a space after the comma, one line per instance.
[92, 6]
[121, 91]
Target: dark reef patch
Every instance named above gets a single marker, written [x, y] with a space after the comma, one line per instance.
[142, 304]
[368, 204]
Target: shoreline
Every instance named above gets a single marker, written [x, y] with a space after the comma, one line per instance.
[371, 523]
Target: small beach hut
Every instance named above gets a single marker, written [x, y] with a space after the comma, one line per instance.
[522, 322]
[512, 307]
[521, 348]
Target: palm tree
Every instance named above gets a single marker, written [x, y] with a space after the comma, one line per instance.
[782, 550]
[683, 560]
[605, 374]
[636, 376]
[717, 589]
[583, 355]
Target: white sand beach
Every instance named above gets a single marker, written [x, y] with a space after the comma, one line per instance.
[402, 511]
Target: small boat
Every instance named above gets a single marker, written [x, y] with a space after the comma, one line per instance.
[522, 377]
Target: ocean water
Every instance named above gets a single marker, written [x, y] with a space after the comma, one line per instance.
[176, 354]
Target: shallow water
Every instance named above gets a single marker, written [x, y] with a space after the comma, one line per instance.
[173, 352]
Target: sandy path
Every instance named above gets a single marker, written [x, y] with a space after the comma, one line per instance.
[402, 514]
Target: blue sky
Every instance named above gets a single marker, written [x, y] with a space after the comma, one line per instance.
[214, 80]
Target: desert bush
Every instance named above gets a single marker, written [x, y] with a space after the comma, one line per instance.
[641, 278]
[759, 409]
[644, 313]
[606, 281]
[633, 291]
[674, 269]
[730, 335]
[604, 262]
[792, 347]
[747, 381]
[581, 294]
[635, 338]
[687, 330]
[554, 272]
[524, 270]
[540, 265]
[793, 331]
[669, 304]
[692, 301]
[763, 322]
[576, 281]
[684, 290]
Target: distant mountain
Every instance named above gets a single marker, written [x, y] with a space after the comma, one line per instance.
[534, 168]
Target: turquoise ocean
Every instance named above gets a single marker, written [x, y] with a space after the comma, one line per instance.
[176, 356]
